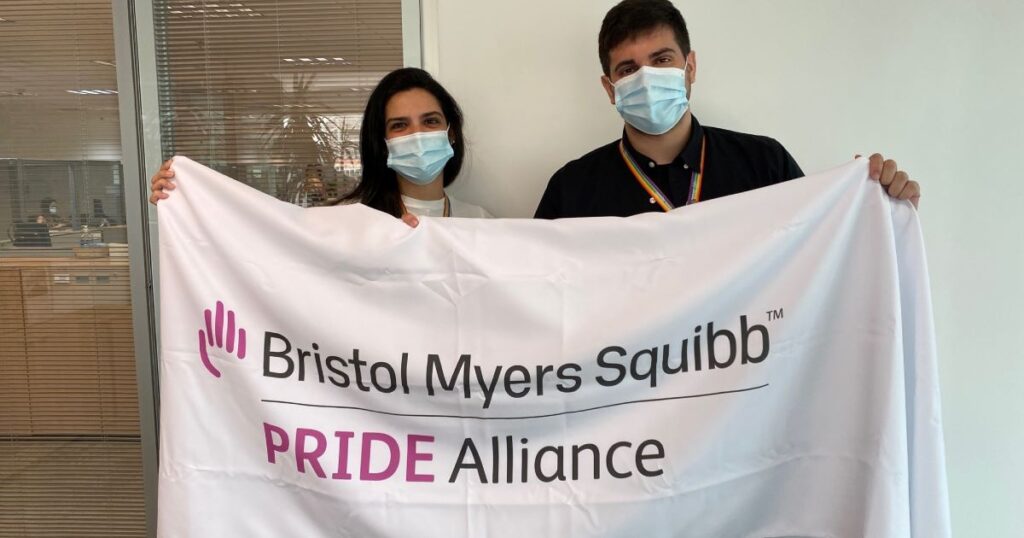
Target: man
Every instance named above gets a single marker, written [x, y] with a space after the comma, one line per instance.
[666, 158]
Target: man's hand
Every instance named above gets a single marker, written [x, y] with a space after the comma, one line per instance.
[895, 181]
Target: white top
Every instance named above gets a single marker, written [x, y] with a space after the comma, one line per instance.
[435, 208]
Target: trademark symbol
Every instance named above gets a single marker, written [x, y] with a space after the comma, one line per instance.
[774, 315]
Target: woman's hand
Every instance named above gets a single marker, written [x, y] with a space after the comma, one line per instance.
[410, 220]
[161, 182]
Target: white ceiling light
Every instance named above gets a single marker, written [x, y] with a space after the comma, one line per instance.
[92, 92]
[319, 60]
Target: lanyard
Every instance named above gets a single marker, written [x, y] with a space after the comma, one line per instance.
[696, 178]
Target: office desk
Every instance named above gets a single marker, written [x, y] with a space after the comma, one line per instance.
[67, 363]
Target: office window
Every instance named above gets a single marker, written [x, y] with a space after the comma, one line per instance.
[271, 92]
[70, 454]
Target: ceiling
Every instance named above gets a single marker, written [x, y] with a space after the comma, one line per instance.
[216, 61]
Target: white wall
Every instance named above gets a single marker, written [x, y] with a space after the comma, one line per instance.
[937, 85]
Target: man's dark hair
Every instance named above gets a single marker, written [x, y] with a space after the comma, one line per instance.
[630, 19]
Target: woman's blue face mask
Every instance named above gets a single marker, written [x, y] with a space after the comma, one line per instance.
[420, 157]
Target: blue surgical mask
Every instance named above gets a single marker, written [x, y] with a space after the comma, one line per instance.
[419, 157]
[653, 99]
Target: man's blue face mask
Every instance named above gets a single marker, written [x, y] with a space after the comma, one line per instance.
[653, 99]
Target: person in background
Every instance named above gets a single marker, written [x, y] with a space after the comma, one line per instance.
[411, 146]
[666, 158]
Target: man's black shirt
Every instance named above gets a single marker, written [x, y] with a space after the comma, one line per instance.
[600, 185]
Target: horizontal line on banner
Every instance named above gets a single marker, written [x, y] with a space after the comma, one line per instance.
[524, 417]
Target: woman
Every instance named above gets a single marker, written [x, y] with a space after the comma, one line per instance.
[411, 146]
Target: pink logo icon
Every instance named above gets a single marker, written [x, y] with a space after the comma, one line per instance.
[216, 336]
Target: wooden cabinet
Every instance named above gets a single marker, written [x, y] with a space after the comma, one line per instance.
[67, 364]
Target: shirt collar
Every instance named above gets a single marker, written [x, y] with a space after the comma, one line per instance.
[425, 208]
[690, 154]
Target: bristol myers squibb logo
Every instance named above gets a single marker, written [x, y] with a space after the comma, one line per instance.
[220, 333]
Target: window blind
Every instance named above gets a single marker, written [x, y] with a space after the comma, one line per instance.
[70, 456]
[269, 92]
[272, 92]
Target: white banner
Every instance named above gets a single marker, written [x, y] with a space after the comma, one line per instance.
[756, 366]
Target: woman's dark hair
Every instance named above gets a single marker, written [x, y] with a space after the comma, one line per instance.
[379, 185]
[630, 19]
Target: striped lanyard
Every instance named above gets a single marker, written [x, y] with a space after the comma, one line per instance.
[696, 178]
